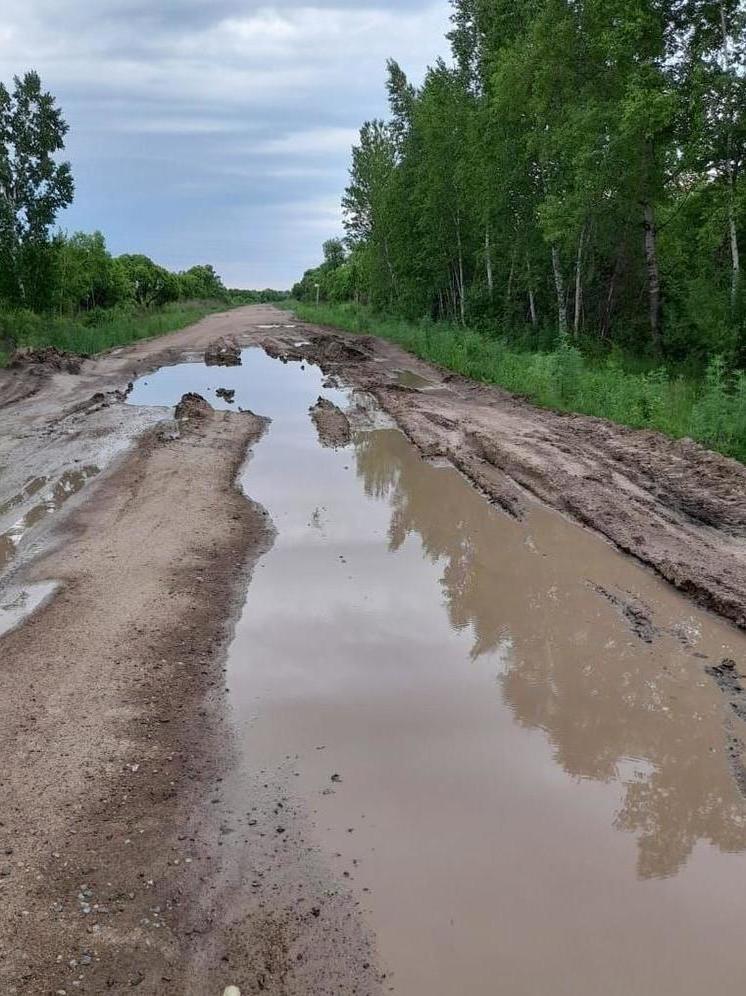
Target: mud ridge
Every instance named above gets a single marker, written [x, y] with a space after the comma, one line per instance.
[331, 423]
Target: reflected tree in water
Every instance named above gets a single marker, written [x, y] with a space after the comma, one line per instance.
[600, 705]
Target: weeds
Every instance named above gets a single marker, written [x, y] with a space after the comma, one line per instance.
[711, 410]
[96, 331]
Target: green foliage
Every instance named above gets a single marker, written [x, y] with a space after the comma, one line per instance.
[69, 291]
[96, 331]
[579, 167]
[150, 283]
[712, 410]
[200, 283]
[570, 192]
[85, 275]
[267, 296]
[34, 187]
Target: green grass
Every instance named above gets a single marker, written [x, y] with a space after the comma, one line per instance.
[710, 409]
[99, 331]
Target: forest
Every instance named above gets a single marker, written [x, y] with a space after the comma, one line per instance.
[570, 182]
[69, 290]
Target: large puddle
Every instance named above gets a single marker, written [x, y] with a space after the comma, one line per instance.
[504, 731]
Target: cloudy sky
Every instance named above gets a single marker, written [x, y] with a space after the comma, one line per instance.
[216, 130]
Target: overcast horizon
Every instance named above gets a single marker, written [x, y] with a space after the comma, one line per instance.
[217, 135]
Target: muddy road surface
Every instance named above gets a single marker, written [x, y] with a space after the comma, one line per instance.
[344, 675]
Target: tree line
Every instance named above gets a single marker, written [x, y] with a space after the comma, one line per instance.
[575, 173]
[47, 271]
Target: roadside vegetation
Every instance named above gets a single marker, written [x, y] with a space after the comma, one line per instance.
[561, 211]
[710, 409]
[68, 290]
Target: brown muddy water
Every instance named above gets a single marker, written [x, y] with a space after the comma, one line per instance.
[408, 378]
[504, 732]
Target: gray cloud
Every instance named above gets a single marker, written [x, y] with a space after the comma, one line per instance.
[216, 132]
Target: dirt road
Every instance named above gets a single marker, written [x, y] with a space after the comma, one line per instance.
[133, 855]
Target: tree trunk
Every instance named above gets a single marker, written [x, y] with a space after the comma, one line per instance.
[609, 308]
[394, 292]
[531, 298]
[488, 261]
[734, 250]
[579, 280]
[461, 301]
[559, 283]
[732, 227]
[654, 279]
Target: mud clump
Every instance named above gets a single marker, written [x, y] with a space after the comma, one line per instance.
[227, 394]
[331, 424]
[192, 406]
[329, 349]
[47, 358]
[278, 351]
[223, 353]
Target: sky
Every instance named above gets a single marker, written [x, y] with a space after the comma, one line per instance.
[216, 131]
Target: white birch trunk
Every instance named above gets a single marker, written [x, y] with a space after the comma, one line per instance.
[559, 283]
[488, 261]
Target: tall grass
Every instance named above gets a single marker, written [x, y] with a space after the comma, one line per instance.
[711, 410]
[100, 330]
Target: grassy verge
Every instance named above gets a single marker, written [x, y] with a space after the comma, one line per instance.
[101, 330]
[711, 409]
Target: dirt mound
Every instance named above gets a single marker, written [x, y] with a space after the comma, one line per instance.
[223, 353]
[331, 424]
[327, 349]
[227, 394]
[192, 406]
[47, 358]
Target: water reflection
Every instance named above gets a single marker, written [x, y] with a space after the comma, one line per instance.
[614, 708]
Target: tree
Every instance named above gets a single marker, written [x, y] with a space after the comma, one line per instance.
[367, 204]
[34, 187]
[200, 283]
[334, 254]
[150, 284]
[577, 171]
[86, 275]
